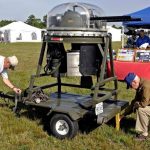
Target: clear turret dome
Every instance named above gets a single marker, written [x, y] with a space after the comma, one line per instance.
[75, 15]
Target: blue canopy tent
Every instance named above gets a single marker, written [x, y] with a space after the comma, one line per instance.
[144, 14]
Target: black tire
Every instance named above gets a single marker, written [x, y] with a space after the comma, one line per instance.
[69, 127]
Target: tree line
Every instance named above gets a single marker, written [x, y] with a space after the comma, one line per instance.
[36, 22]
[31, 20]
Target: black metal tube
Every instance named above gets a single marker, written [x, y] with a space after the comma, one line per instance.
[112, 66]
[42, 52]
[59, 86]
[45, 86]
[111, 57]
[41, 56]
[116, 18]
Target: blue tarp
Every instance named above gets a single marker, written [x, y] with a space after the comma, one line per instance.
[144, 14]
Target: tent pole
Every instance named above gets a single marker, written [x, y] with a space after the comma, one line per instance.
[122, 36]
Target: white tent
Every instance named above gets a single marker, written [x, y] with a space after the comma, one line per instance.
[20, 32]
[116, 33]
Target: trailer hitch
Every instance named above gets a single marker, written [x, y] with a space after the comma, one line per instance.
[15, 98]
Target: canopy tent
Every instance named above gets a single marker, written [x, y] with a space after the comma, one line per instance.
[20, 32]
[144, 14]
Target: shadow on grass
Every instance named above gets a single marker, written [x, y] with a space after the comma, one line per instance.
[127, 125]
[86, 125]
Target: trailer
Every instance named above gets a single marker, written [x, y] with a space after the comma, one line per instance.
[76, 44]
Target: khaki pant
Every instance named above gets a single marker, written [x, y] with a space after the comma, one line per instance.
[142, 120]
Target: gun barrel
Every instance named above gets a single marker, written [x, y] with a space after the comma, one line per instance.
[116, 18]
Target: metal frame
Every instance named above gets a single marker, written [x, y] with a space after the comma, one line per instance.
[100, 80]
[80, 105]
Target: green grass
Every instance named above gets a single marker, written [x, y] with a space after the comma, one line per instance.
[26, 133]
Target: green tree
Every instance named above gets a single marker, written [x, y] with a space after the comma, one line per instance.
[5, 22]
[36, 22]
[114, 26]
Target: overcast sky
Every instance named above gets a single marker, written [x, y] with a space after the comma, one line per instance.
[20, 10]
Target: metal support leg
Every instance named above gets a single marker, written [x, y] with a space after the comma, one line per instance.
[117, 121]
[17, 109]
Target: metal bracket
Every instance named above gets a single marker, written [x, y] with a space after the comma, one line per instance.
[17, 99]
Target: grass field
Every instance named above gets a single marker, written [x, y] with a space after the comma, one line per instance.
[26, 132]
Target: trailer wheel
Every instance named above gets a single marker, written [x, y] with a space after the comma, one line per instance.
[62, 126]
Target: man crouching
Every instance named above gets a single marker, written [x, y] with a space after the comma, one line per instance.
[140, 104]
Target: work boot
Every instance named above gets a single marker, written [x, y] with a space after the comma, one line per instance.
[141, 137]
